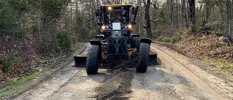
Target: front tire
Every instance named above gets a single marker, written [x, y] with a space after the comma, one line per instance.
[143, 58]
[92, 59]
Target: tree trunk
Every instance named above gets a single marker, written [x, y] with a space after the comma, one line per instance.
[192, 15]
[147, 19]
[207, 8]
[183, 11]
[229, 19]
[177, 14]
[77, 21]
[187, 15]
[139, 17]
[171, 13]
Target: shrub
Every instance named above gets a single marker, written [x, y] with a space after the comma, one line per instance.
[176, 37]
[63, 41]
[165, 39]
[10, 62]
[51, 9]
[179, 35]
[9, 20]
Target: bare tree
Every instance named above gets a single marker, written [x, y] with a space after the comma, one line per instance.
[147, 18]
[139, 17]
[207, 9]
[229, 18]
[192, 15]
[170, 4]
[177, 13]
[184, 14]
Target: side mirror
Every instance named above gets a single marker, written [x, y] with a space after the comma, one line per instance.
[97, 12]
[134, 10]
[99, 23]
[134, 14]
[98, 16]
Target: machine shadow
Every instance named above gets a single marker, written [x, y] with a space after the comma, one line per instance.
[112, 68]
[132, 63]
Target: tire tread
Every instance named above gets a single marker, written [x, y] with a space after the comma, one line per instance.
[143, 59]
[92, 59]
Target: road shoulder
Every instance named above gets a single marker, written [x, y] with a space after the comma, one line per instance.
[15, 89]
[219, 85]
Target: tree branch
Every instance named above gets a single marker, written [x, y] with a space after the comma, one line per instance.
[154, 5]
[155, 20]
[145, 27]
[144, 2]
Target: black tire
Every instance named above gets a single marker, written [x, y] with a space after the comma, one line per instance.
[92, 59]
[143, 58]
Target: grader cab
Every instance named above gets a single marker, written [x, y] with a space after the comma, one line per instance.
[116, 40]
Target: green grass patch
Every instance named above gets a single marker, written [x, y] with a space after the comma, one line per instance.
[10, 62]
[18, 85]
[75, 47]
[63, 41]
[221, 64]
[179, 35]
[176, 36]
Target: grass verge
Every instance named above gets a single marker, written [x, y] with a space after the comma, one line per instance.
[221, 67]
[22, 84]
[220, 64]
[19, 84]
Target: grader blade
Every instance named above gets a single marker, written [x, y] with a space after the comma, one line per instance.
[80, 58]
[153, 59]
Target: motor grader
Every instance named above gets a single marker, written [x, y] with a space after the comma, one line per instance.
[116, 40]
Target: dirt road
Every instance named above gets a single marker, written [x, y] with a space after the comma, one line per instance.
[161, 82]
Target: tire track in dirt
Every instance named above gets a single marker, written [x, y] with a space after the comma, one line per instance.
[79, 87]
[121, 82]
[49, 86]
[116, 85]
[111, 84]
[163, 83]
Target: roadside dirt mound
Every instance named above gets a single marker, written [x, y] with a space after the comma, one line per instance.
[215, 55]
[203, 47]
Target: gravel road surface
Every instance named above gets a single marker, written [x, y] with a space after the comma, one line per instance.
[161, 82]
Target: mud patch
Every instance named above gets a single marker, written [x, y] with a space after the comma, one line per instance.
[116, 85]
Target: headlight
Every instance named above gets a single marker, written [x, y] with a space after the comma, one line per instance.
[109, 8]
[130, 27]
[103, 27]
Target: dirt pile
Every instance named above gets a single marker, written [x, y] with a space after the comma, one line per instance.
[117, 85]
[206, 47]
[215, 54]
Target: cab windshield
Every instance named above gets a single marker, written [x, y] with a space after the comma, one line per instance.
[117, 14]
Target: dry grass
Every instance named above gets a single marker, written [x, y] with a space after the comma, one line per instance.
[209, 47]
